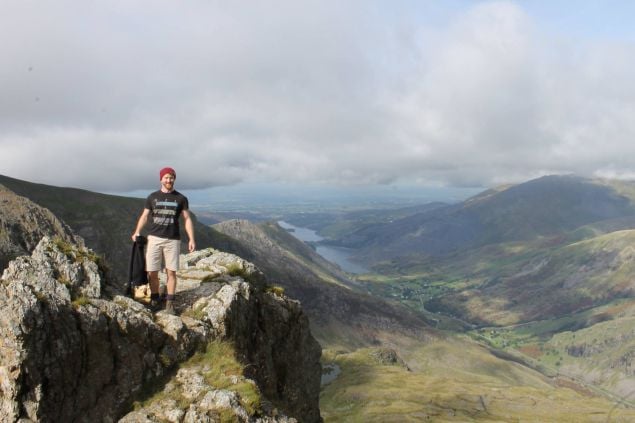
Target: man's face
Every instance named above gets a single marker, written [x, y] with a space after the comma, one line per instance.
[167, 181]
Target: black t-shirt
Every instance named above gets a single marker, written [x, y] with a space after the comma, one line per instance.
[165, 209]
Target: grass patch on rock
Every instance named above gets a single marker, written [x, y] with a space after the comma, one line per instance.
[209, 278]
[222, 370]
[80, 301]
[77, 254]
[195, 312]
[275, 290]
[237, 269]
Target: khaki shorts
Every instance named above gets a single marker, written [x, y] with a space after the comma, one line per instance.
[161, 250]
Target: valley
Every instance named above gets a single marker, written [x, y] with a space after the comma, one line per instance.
[550, 288]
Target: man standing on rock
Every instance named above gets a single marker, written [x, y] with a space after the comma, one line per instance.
[165, 206]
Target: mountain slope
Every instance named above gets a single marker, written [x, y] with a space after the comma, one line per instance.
[549, 284]
[454, 380]
[22, 225]
[543, 207]
[601, 354]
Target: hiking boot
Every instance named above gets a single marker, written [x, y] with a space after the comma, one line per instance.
[163, 292]
[155, 305]
[169, 307]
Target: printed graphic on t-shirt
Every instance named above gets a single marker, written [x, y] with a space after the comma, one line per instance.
[166, 209]
[164, 212]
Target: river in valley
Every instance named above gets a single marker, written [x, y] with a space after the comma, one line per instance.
[337, 255]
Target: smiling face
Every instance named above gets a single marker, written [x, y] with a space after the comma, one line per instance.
[167, 182]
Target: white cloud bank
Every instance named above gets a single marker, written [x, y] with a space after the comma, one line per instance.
[100, 95]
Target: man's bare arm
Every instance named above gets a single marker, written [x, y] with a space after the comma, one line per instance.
[143, 219]
[189, 228]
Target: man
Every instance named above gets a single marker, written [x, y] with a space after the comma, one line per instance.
[164, 207]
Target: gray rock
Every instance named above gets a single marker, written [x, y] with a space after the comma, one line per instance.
[69, 354]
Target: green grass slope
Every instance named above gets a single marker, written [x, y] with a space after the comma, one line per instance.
[547, 284]
[595, 347]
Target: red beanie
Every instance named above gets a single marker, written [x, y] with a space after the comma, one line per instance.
[165, 170]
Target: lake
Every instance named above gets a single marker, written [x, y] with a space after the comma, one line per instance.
[330, 372]
[337, 255]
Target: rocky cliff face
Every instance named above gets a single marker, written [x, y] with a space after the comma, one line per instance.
[22, 225]
[68, 354]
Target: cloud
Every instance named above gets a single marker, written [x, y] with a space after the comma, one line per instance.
[497, 100]
[102, 95]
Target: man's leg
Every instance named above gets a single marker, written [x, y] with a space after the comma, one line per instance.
[153, 265]
[171, 251]
[169, 299]
[153, 279]
[171, 281]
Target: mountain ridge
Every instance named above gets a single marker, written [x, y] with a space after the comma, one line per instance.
[541, 207]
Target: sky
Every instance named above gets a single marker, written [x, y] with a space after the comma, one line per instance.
[448, 94]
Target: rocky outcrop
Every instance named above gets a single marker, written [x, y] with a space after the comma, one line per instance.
[69, 354]
[388, 357]
[22, 225]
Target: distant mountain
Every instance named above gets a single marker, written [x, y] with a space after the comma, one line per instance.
[339, 313]
[106, 222]
[344, 223]
[543, 249]
[547, 206]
